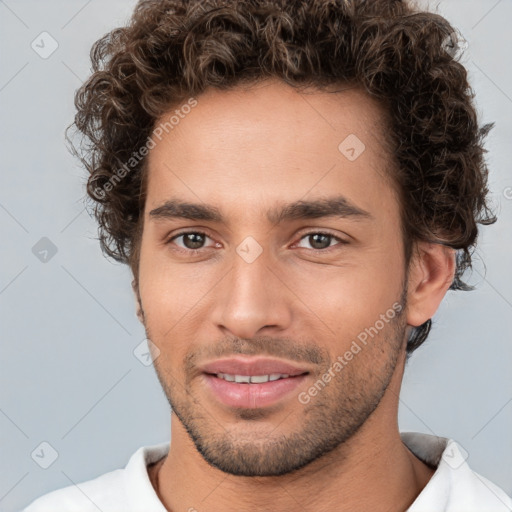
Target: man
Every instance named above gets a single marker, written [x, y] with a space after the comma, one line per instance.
[295, 185]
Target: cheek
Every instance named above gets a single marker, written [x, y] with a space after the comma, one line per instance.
[347, 299]
[171, 292]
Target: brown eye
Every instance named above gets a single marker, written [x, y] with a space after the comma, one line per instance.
[319, 241]
[193, 240]
[190, 241]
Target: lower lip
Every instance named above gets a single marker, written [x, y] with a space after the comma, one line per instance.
[252, 396]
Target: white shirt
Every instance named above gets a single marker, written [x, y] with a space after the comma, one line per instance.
[454, 487]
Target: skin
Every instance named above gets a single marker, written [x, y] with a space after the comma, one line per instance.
[248, 151]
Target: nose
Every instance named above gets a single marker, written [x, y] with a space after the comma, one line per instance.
[251, 298]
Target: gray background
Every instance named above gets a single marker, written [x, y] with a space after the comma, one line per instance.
[68, 373]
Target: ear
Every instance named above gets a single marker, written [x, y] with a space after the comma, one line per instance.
[139, 312]
[431, 273]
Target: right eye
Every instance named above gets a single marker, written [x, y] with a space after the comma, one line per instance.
[192, 241]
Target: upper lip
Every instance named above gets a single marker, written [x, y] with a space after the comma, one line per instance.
[251, 367]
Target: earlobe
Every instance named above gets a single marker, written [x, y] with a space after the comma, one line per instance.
[138, 305]
[431, 273]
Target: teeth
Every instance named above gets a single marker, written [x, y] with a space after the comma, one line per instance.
[275, 376]
[257, 379]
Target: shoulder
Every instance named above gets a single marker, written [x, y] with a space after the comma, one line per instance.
[454, 487]
[92, 495]
[122, 489]
[472, 491]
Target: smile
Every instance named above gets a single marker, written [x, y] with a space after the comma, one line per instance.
[252, 391]
[258, 379]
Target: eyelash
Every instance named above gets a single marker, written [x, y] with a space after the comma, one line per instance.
[193, 252]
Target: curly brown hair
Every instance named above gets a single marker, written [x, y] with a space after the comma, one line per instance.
[172, 50]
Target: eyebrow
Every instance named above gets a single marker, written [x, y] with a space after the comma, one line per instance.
[338, 206]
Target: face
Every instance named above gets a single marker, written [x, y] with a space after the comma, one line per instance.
[290, 263]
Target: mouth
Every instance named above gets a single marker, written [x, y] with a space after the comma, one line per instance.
[259, 368]
[253, 379]
[253, 383]
[244, 391]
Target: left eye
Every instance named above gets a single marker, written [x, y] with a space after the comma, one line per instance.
[320, 241]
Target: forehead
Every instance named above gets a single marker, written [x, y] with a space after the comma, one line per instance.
[270, 143]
